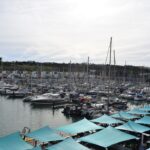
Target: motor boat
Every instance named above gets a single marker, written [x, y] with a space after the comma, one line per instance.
[50, 99]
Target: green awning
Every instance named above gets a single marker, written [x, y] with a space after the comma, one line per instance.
[107, 137]
[45, 134]
[133, 127]
[81, 126]
[123, 115]
[105, 119]
[68, 144]
[145, 120]
[138, 112]
[13, 142]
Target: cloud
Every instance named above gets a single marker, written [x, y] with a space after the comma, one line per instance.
[60, 30]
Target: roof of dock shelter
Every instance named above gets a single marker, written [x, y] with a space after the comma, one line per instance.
[145, 108]
[81, 126]
[69, 144]
[45, 134]
[105, 119]
[36, 148]
[145, 120]
[133, 127]
[107, 137]
[138, 112]
[13, 142]
[124, 115]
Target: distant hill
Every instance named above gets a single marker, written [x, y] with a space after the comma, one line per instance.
[98, 69]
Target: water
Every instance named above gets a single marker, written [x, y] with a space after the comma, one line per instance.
[15, 115]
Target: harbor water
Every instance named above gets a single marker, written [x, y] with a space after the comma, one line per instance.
[15, 115]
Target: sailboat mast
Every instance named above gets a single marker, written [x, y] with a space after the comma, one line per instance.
[110, 58]
[1, 63]
[114, 66]
[124, 72]
[110, 49]
[70, 75]
[88, 70]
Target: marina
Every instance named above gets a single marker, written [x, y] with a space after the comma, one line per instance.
[22, 116]
[44, 110]
[62, 110]
[74, 75]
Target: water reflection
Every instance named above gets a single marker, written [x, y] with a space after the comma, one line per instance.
[15, 115]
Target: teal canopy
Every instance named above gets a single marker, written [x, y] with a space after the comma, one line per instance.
[68, 144]
[81, 126]
[105, 119]
[123, 115]
[145, 120]
[45, 134]
[145, 108]
[13, 142]
[36, 148]
[133, 127]
[107, 137]
[138, 112]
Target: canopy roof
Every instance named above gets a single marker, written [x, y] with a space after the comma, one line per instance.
[68, 144]
[105, 119]
[36, 148]
[107, 137]
[134, 127]
[138, 112]
[124, 115]
[13, 142]
[45, 134]
[79, 127]
[145, 108]
[145, 120]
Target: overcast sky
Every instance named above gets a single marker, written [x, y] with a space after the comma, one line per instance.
[64, 30]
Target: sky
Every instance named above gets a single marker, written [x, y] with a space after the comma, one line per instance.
[64, 30]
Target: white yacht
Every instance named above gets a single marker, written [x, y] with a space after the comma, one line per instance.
[50, 99]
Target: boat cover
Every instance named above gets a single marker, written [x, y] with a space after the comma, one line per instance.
[13, 142]
[81, 126]
[124, 115]
[45, 134]
[145, 120]
[107, 137]
[138, 112]
[145, 108]
[105, 119]
[68, 144]
[133, 127]
[36, 148]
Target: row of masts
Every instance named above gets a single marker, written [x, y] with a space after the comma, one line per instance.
[109, 77]
[111, 68]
